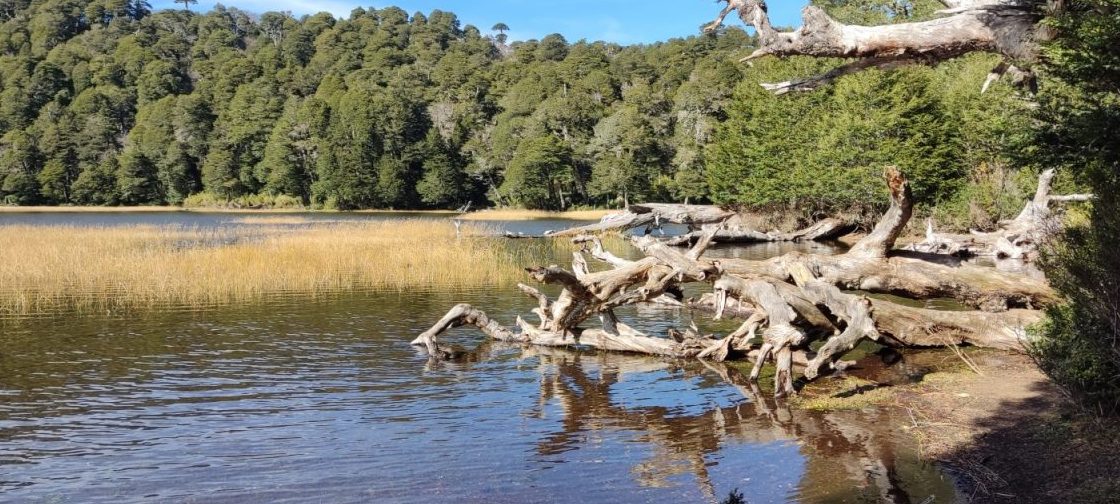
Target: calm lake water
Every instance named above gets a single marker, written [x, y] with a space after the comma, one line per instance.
[323, 400]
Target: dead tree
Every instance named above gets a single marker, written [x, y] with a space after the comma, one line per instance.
[872, 266]
[1006, 27]
[652, 215]
[790, 301]
[1015, 239]
[794, 299]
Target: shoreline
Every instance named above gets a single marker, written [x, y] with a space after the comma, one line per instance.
[1015, 439]
[478, 215]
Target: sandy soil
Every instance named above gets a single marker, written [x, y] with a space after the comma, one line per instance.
[1011, 435]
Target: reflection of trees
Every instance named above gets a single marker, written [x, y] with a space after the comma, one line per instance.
[849, 456]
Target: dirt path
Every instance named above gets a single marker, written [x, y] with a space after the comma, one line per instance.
[1009, 433]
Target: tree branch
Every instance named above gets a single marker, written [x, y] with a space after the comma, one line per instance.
[998, 26]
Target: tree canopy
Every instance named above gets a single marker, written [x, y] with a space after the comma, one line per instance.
[385, 109]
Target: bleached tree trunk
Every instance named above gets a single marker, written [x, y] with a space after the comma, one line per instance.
[788, 302]
[1015, 239]
[1006, 27]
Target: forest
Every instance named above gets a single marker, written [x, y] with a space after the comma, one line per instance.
[107, 102]
[111, 103]
[887, 236]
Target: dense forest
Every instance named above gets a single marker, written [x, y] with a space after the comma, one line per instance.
[105, 102]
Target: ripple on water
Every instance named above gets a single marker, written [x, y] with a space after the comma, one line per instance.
[296, 400]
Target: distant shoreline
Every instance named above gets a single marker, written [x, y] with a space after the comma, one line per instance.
[486, 214]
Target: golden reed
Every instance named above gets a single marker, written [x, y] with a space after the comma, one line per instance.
[51, 269]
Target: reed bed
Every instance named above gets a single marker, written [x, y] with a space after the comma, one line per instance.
[87, 209]
[98, 270]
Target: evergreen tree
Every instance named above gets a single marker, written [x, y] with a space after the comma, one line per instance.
[343, 112]
[530, 178]
[1079, 130]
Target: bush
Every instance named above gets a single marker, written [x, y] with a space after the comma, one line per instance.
[1072, 348]
[1078, 127]
[994, 193]
[1079, 345]
[249, 201]
[824, 152]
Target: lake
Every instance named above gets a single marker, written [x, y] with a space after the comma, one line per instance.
[295, 399]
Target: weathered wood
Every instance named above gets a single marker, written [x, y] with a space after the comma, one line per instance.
[870, 265]
[785, 316]
[979, 287]
[974, 286]
[1007, 27]
[611, 222]
[908, 326]
[881, 240]
[827, 229]
[624, 339]
[691, 215]
[651, 215]
[1015, 239]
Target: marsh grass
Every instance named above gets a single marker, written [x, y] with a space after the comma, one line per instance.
[99, 270]
[86, 209]
[848, 393]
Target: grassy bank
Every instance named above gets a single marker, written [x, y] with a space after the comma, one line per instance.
[49, 269]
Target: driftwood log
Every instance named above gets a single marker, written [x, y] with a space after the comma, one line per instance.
[787, 302]
[1015, 239]
[651, 216]
[654, 215]
[827, 229]
[874, 266]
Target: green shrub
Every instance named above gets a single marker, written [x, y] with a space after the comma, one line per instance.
[1079, 344]
[248, 201]
[994, 193]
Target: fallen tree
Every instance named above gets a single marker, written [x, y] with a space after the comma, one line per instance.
[871, 265]
[654, 215]
[1015, 239]
[827, 229]
[791, 301]
[651, 215]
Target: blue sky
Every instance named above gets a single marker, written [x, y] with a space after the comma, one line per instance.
[622, 21]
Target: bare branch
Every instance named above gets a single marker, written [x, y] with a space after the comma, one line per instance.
[998, 26]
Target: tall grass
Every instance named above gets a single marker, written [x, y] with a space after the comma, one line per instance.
[51, 269]
[86, 209]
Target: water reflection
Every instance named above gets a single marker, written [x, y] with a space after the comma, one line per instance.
[293, 399]
[841, 456]
[325, 401]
